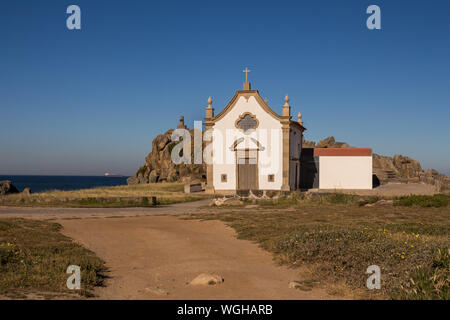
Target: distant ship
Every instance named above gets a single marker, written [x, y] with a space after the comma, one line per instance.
[112, 175]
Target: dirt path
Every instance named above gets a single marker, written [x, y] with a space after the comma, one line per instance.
[152, 254]
[154, 257]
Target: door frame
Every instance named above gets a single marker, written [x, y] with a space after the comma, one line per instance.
[247, 156]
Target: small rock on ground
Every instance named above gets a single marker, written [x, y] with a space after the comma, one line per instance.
[380, 203]
[294, 284]
[206, 279]
[157, 291]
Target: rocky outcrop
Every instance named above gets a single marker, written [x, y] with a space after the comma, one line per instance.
[440, 181]
[159, 166]
[308, 144]
[6, 187]
[331, 143]
[396, 168]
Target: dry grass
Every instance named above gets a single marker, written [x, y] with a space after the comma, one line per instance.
[34, 257]
[118, 196]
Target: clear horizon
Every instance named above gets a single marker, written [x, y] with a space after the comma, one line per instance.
[85, 102]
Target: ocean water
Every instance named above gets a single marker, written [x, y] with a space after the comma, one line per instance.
[46, 183]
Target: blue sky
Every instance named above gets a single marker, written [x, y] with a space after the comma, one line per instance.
[91, 100]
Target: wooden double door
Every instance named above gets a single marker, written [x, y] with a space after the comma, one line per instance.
[247, 173]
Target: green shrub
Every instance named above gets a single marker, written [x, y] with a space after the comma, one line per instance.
[370, 200]
[437, 200]
[89, 201]
[144, 202]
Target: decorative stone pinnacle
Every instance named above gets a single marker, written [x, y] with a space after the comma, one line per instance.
[209, 109]
[209, 102]
[300, 118]
[181, 124]
[286, 107]
[286, 101]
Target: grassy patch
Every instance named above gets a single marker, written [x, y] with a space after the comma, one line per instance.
[431, 282]
[34, 257]
[340, 241]
[339, 198]
[437, 200]
[118, 196]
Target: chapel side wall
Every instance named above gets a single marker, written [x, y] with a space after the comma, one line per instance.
[269, 136]
[345, 172]
[295, 141]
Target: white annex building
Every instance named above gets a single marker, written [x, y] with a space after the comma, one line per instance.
[254, 148]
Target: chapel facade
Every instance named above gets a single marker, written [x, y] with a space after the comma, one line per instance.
[252, 147]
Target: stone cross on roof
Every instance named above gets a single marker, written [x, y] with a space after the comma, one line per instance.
[246, 85]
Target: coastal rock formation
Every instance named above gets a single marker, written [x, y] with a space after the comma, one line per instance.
[391, 168]
[6, 187]
[330, 142]
[159, 167]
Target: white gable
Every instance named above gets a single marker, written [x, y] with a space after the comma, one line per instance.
[267, 138]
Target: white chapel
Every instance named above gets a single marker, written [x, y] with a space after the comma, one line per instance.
[252, 147]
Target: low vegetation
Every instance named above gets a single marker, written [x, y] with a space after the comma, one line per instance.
[119, 196]
[431, 282]
[340, 198]
[34, 257]
[338, 238]
[437, 200]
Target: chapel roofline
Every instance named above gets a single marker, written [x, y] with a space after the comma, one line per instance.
[247, 94]
[298, 125]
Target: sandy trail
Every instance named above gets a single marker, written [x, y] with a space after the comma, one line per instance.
[154, 257]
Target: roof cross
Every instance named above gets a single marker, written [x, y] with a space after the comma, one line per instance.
[246, 74]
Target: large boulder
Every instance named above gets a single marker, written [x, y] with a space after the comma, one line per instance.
[440, 181]
[407, 167]
[330, 142]
[308, 144]
[6, 187]
[132, 180]
[159, 166]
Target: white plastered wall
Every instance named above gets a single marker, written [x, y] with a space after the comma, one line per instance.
[345, 172]
[268, 134]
